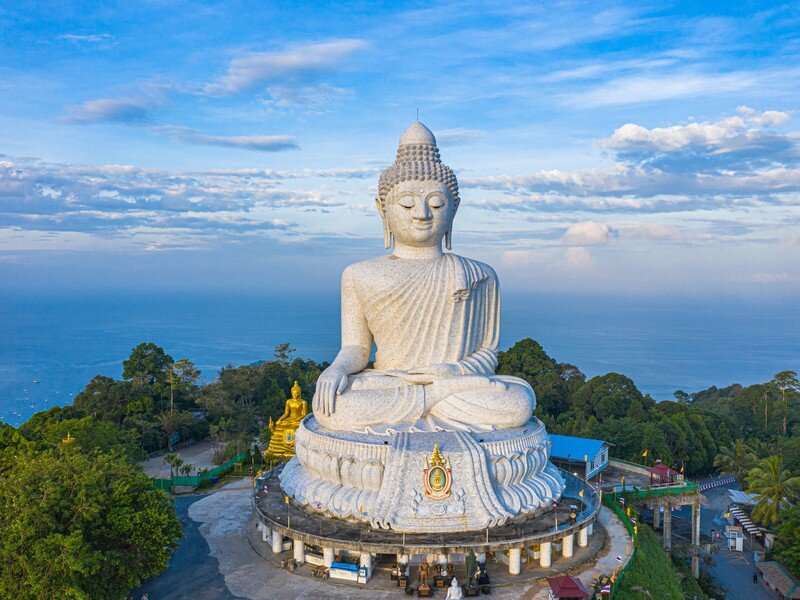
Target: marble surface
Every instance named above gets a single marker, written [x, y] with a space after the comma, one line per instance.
[494, 477]
[434, 316]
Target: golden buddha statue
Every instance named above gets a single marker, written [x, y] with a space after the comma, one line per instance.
[281, 444]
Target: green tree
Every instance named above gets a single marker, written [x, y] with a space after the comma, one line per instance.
[787, 539]
[181, 377]
[283, 353]
[775, 487]
[737, 460]
[788, 385]
[681, 396]
[147, 363]
[610, 395]
[553, 382]
[79, 526]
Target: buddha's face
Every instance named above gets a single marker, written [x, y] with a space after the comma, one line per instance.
[419, 213]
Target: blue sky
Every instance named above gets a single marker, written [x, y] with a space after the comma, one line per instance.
[601, 147]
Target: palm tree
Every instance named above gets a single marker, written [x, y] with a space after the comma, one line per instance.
[736, 461]
[761, 448]
[774, 485]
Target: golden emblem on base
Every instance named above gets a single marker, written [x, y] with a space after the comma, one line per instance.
[437, 477]
[281, 444]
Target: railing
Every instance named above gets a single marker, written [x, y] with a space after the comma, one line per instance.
[685, 487]
[616, 508]
[196, 480]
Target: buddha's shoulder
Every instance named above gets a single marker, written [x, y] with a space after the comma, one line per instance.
[479, 266]
[365, 268]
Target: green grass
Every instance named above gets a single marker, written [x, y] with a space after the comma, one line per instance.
[651, 571]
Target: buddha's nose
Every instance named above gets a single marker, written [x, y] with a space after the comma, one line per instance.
[422, 211]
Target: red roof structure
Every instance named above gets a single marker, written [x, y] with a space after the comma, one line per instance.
[565, 586]
[661, 473]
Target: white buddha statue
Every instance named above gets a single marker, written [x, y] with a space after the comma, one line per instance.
[454, 592]
[434, 316]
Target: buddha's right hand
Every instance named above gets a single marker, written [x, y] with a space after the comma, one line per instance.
[331, 382]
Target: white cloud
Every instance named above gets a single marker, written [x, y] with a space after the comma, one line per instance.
[576, 258]
[452, 137]
[295, 64]
[588, 233]
[264, 143]
[635, 89]
[110, 109]
[93, 38]
[648, 231]
[676, 137]
[768, 117]
[520, 259]
[775, 278]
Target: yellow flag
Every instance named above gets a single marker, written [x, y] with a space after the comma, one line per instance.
[286, 499]
[580, 493]
[623, 480]
[681, 468]
[644, 454]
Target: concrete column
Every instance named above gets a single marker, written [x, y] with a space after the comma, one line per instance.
[696, 524]
[366, 561]
[656, 516]
[514, 561]
[545, 554]
[583, 537]
[277, 542]
[328, 556]
[566, 545]
[266, 534]
[695, 540]
[299, 551]
[667, 528]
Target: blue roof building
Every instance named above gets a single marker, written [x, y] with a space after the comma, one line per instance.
[569, 452]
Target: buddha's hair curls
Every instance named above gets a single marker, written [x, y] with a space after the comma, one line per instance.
[417, 162]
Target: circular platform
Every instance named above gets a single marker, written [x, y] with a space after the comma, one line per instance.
[295, 521]
[424, 481]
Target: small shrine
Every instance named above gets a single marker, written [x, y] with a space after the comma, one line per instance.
[281, 444]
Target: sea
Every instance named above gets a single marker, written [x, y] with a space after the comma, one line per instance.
[51, 345]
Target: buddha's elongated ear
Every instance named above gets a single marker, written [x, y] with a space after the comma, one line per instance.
[387, 234]
[448, 238]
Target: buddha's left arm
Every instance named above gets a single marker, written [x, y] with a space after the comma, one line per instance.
[484, 360]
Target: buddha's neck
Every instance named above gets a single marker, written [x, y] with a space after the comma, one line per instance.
[416, 253]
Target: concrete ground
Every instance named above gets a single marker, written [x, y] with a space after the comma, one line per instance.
[199, 455]
[217, 561]
[732, 569]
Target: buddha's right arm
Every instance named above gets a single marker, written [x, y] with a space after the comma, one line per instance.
[353, 359]
[356, 336]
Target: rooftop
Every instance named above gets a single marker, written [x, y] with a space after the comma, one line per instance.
[575, 448]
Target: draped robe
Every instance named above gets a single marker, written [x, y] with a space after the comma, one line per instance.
[428, 312]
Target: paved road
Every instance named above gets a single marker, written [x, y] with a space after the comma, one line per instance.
[198, 455]
[192, 572]
[732, 569]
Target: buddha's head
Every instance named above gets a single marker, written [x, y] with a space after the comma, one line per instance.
[418, 194]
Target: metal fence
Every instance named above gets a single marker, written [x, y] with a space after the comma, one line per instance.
[196, 480]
